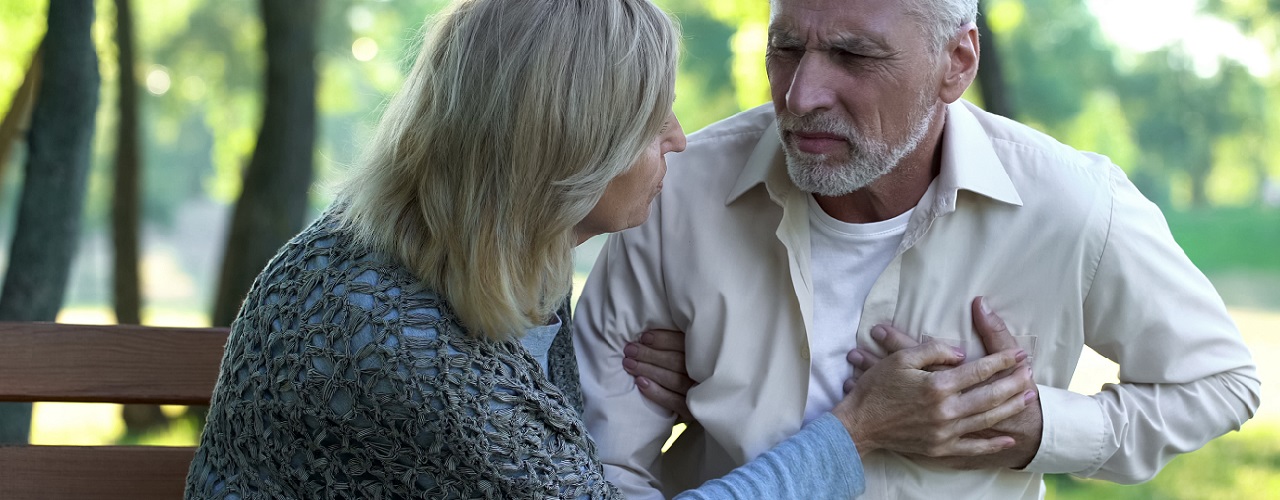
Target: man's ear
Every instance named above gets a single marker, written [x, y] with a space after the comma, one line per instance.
[959, 61]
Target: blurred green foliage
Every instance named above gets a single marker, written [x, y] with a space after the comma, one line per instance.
[1235, 466]
[1227, 239]
[1187, 139]
[1198, 143]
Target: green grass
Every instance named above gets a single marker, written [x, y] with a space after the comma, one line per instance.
[1245, 464]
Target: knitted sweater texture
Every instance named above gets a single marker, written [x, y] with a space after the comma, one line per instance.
[345, 377]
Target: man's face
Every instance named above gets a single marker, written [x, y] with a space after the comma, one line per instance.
[854, 85]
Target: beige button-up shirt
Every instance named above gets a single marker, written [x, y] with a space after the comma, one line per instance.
[1063, 246]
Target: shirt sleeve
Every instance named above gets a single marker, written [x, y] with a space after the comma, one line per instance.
[820, 461]
[1186, 375]
[623, 297]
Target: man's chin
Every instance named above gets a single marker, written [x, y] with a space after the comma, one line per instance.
[823, 161]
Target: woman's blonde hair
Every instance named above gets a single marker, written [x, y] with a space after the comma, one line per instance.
[514, 119]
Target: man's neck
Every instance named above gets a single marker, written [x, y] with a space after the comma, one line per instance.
[897, 191]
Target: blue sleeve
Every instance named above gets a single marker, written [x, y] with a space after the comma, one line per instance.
[820, 461]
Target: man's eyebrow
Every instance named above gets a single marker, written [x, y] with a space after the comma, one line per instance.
[861, 43]
[780, 34]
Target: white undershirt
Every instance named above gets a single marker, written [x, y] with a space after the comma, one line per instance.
[847, 259]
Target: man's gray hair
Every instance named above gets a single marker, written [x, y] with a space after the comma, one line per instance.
[941, 18]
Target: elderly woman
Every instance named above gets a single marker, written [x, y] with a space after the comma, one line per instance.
[413, 341]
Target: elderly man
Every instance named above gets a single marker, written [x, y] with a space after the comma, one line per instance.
[871, 194]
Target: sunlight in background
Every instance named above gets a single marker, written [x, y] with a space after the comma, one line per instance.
[158, 80]
[1147, 25]
[364, 49]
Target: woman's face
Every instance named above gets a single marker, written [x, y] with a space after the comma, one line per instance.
[626, 200]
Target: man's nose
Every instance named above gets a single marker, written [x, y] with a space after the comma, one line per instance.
[811, 86]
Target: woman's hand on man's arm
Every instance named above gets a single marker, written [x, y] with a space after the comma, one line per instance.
[657, 363]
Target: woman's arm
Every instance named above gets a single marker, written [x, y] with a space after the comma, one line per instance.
[820, 461]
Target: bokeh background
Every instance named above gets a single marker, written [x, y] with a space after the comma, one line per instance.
[1183, 94]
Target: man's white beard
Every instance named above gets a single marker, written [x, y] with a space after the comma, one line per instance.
[868, 159]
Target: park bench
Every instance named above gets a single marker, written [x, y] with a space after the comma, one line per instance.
[103, 364]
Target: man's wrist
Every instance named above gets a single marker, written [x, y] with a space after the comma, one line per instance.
[845, 414]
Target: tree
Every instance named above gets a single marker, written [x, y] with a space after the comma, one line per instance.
[128, 300]
[124, 208]
[18, 118]
[991, 79]
[1181, 137]
[273, 201]
[53, 189]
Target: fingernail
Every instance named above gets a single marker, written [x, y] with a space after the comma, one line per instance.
[631, 351]
[1022, 355]
[982, 304]
[855, 357]
[959, 352]
[629, 364]
[878, 332]
[646, 339]
[1029, 396]
[642, 382]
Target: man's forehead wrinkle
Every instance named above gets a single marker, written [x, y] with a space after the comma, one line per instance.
[782, 31]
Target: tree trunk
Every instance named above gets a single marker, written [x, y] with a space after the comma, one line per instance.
[18, 118]
[991, 81]
[48, 222]
[138, 419]
[1199, 176]
[124, 213]
[273, 201]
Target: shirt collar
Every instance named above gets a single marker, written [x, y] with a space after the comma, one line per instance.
[969, 162]
[765, 158]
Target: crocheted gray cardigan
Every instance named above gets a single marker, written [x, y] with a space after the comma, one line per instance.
[344, 377]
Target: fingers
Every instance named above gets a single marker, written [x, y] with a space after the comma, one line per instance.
[677, 382]
[970, 374]
[664, 398]
[970, 447]
[664, 359]
[663, 340]
[862, 360]
[657, 362]
[892, 339]
[995, 402]
[991, 328]
[928, 354]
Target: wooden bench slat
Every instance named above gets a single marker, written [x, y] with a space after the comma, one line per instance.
[110, 472]
[109, 364]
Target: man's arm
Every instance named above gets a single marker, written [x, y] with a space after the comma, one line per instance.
[1186, 375]
[623, 297]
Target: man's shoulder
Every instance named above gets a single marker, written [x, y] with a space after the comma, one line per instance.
[1035, 159]
[744, 126]
[715, 155]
